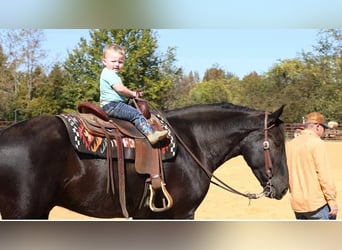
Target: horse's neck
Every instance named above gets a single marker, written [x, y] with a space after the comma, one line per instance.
[212, 141]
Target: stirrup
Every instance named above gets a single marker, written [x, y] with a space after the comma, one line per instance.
[166, 194]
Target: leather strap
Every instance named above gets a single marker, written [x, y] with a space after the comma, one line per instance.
[121, 174]
[121, 167]
[110, 177]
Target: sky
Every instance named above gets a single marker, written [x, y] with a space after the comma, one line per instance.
[239, 36]
[238, 51]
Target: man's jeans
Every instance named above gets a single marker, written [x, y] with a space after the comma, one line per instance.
[126, 112]
[320, 214]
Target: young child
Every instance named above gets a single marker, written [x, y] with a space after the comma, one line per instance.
[113, 94]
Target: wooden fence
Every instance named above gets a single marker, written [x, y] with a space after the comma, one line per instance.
[291, 129]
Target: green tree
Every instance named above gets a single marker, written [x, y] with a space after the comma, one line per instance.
[285, 83]
[210, 92]
[253, 91]
[49, 96]
[326, 66]
[179, 95]
[311, 82]
[24, 49]
[6, 90]
[216, 73]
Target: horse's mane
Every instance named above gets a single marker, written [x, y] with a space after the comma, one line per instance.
[232, 114]
[212, 107]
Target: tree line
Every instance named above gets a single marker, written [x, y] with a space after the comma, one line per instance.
[310, 82]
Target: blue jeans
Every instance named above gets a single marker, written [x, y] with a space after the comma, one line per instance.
[126, 112]
[320, 214]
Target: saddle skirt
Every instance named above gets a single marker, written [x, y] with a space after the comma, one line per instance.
[86, 141]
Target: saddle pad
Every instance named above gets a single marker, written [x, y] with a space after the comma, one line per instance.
[169, 151]
[86, 143]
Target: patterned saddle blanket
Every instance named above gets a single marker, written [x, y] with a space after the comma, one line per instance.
[86, 142]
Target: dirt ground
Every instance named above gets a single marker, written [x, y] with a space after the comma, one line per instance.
[222, 205]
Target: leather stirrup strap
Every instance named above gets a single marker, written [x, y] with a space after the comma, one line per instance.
[157, 182]
[121, 166]
[121, 173]
[110, 174]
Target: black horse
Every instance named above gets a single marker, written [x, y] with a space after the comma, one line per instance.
[39, 168]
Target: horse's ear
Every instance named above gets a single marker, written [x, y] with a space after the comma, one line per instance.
[276, 114]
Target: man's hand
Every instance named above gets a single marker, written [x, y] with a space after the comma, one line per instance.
[333, 211]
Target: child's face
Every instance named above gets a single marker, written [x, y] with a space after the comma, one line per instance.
[114, 60]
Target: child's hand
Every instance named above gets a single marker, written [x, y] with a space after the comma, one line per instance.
[140, 93]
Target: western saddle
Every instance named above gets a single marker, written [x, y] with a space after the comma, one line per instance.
[98, 123]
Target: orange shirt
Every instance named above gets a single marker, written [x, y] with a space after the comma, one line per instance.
[310, 178]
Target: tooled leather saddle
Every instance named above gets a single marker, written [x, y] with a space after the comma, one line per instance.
[92, 131]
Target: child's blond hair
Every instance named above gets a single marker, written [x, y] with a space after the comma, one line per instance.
[114, 47]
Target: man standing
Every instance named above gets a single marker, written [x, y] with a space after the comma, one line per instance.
[312, 188]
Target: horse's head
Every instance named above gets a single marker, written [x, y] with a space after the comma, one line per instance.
[264, 151]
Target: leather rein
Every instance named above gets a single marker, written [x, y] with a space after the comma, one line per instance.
[268, 165]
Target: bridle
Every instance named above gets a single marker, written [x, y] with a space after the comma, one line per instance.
[268, 162]
[268, 190]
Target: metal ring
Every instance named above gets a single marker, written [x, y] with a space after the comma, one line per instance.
[266, 145]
